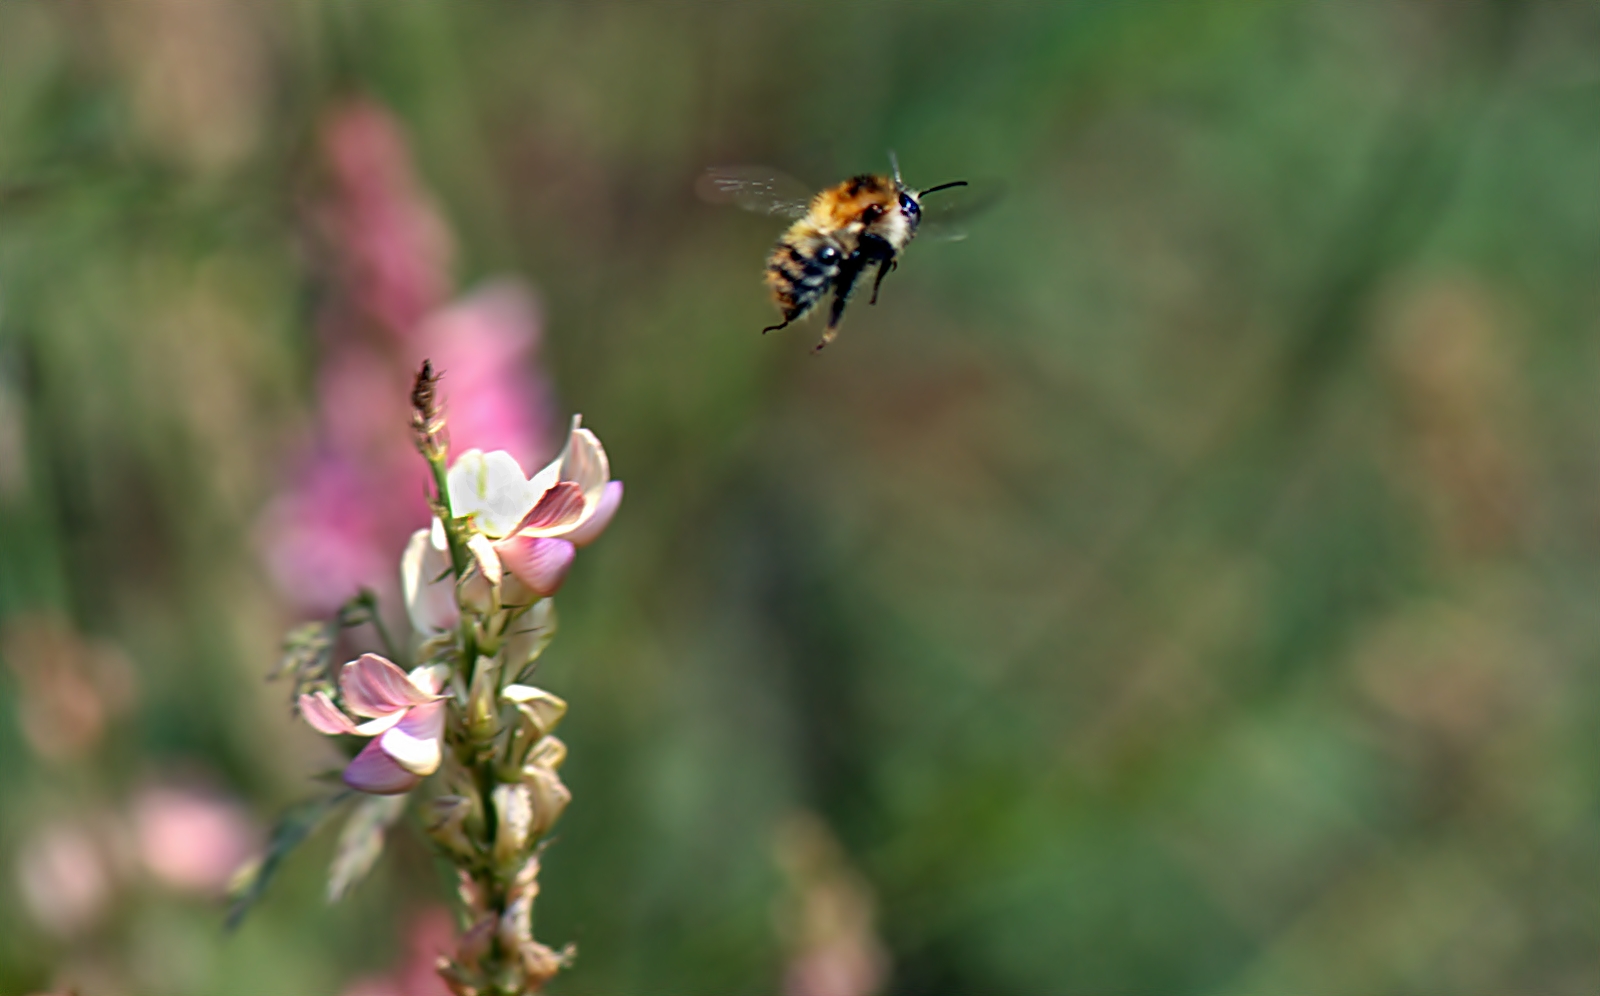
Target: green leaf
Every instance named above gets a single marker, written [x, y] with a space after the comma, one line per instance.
[293, 828]
[361, 842]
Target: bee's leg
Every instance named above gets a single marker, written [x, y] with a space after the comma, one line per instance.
[843, 284]
[828, 335]
[781, 325]
[885, 268]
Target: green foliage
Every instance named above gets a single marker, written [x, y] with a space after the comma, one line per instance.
[357, 848]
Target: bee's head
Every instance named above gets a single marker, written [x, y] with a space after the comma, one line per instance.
[910, 201]
[910, 206]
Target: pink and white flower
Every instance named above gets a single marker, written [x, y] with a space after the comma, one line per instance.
[532, 525]
[405, 716]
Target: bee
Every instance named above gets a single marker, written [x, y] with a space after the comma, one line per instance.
[839, 234]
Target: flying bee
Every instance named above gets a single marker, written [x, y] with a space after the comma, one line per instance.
[841, 232]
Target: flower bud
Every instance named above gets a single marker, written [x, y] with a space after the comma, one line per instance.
[514, 813]
[525, 884]
[483, 713]
[474, 943]
[528, 635]
[479, 587]
[539, 712]
[447, 824]
[474, 592]
[541, 963]
[539, 708]
[547, 753]
[471, 893]
[548, 797]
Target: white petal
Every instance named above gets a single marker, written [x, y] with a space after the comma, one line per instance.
[429, 590]
[414, 744]
[488, 561]
[430, 677]
[492, 488]
[549, 474]
[373, 727]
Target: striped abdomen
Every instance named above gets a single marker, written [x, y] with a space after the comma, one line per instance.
[800, 271]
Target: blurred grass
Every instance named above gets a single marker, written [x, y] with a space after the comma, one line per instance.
[1184, 584]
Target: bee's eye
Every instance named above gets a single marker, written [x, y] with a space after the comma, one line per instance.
[828, 254]
[909, 206]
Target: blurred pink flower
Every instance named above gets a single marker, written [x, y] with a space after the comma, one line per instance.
[190, 839]
[69, 686]
[431, 934]
[482, 345]
[360, 489]
[405, 719]
[64, 877]
[321, 542]
[391, 248]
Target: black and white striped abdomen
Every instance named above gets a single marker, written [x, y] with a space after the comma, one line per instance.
[800, 271]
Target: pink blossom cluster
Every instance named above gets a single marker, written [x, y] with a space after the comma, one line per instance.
[524, 533]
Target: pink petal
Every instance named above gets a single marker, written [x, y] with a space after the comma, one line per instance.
[414, 744]
[375, 772]
[596, 523]
[324, 716]
[375, 687]
[539, 562]
[560, 506]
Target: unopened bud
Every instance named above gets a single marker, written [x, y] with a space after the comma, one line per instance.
[541, 709]
[547, 753]
[548, 797]
[448, 824]
[528, 634]
[474, 592]
[483, 712]
[525, 884]
[427, 417]
[538, 712]
[541, 963]
[475, 942]
[479, 588]
[513, 807]
[471, 892]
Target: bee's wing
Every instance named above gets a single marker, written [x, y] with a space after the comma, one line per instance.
[754, 188]
[946, 212]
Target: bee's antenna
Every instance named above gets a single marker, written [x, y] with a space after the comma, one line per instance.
[942, 186]
[894, 161]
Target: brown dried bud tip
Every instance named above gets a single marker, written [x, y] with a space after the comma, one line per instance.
[427, 417]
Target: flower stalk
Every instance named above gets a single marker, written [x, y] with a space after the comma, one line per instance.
[464, 729]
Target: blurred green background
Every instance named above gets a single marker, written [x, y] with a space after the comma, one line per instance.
[1186, 584]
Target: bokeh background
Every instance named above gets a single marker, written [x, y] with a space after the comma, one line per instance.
[1188, 583]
